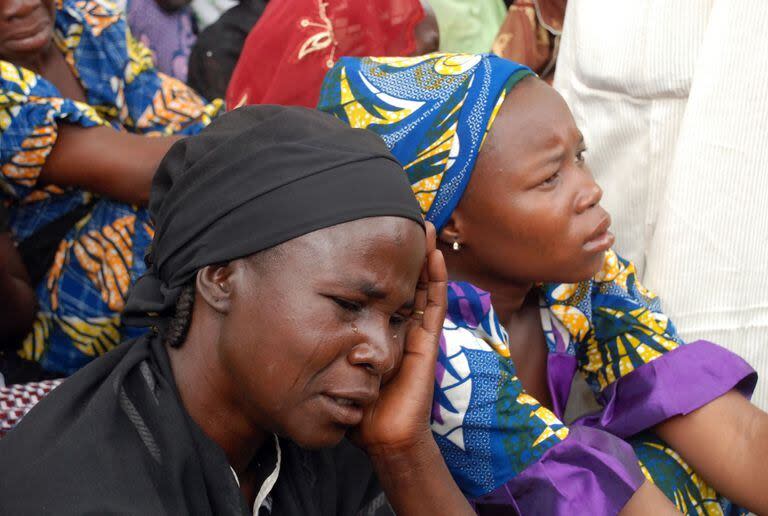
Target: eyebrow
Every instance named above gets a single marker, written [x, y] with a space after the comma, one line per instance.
[371, 291]
[558, 156]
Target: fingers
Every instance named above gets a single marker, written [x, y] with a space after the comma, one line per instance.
[421, 288]
[437, 302]
[431, 237]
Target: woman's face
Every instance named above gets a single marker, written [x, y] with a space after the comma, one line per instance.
[531, 211]
[317, 323]
[26, 28]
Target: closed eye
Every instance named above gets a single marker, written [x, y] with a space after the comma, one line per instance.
[551, 180]
[398, 320]
[346, 304]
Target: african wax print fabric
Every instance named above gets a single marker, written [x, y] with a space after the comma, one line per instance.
[502, 446]
[295, 42]
[169, 35]
[432, 111]
[612, 331]
[84, 292]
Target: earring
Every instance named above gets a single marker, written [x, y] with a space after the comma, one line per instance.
[456, 246]
[221, 286]
[354, 329]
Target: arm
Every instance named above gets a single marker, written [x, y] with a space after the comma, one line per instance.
[17, 294]
[111, 163]
[726, 442]
[648, 500]
[417, 481]
[395, 431]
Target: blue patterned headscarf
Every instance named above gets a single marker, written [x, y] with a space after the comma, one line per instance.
[432, 111]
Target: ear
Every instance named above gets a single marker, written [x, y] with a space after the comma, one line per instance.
[214, 284]
[453, 229]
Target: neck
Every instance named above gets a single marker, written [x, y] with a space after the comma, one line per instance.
[36, 62]
[210, 397]
[509, 300]
[508, 296]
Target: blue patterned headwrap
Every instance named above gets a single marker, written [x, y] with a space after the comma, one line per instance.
[432, 111]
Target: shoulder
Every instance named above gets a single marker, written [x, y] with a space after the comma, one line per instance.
[94, 15]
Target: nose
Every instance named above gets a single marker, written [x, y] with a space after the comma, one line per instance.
[377, 352]
[589, 194]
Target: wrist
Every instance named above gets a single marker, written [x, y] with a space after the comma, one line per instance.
[411, 457]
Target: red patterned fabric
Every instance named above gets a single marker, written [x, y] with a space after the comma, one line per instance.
[17, 400]
[295, 43]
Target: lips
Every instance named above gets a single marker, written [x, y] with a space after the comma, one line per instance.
[601, 239]
[346, 408]
[27, 27]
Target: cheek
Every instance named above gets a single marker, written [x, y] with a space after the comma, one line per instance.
[532, 240]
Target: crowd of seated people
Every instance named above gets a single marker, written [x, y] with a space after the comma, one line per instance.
[358, 264]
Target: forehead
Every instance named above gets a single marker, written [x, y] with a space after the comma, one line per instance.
[373, 250]
[533, 117]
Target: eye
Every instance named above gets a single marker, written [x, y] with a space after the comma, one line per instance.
[398, 320]
[347, 305]
[551, 180]
[580, 158]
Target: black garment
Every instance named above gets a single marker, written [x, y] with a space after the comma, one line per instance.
[4, 218]
[115, 439]
[256, 177]
[218, 47]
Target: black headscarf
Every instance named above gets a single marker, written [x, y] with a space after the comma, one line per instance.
[256, 177]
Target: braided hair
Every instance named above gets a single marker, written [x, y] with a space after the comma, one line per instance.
[176, 333]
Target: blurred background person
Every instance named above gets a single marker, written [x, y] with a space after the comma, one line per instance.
[295, 42]
[167, 27]
[468, 25]
[530, 35]
[76, 164]
[218, 47]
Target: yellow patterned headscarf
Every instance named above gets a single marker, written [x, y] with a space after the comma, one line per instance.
[433, 112]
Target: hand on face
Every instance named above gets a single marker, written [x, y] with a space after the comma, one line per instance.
[399, 418]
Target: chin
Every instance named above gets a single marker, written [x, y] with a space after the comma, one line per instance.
[576, 271]
[34, 45]
[315, 438]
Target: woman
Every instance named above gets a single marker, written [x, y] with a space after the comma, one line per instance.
[468, 25]
[228, 408]
[167, 28]
[218, 47]
[295, 42]
[78, 98]
[521, 224]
